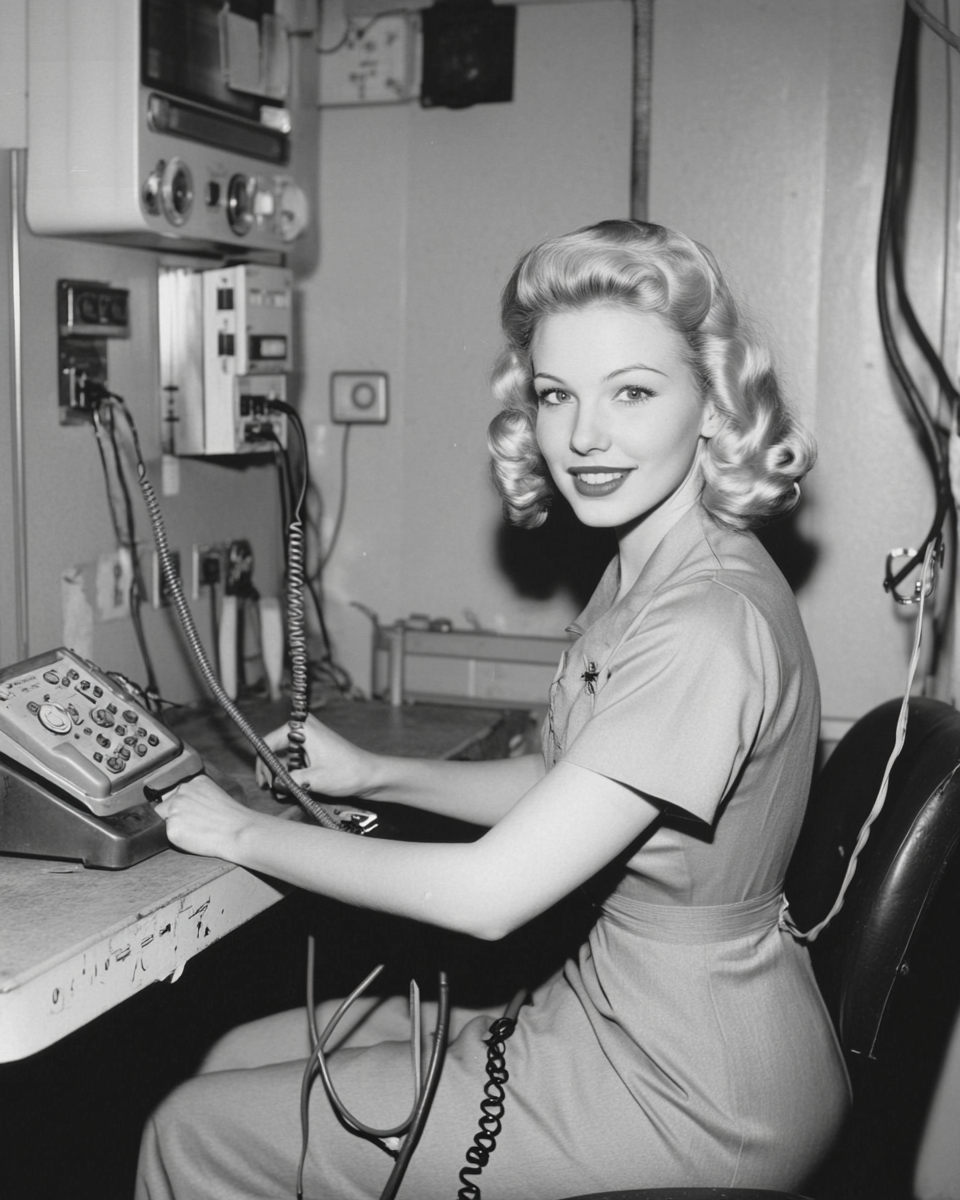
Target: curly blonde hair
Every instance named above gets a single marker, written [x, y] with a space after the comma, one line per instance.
[752, 465]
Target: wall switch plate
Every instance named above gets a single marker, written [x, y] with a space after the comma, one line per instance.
[358, 397]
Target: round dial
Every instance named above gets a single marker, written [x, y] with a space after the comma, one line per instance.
[293, 211]
[55, 718]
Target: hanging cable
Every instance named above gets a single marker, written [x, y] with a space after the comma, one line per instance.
[104, 428]
[342, 505]
[928, 585]
[303, 798]
[891, 239]
[413, 1124]
[296, 620]
[941, 30]
[326, 669]
[494, 1094]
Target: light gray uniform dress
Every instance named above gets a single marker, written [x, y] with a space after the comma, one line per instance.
[687, 1044]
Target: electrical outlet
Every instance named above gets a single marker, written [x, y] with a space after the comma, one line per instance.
[162, 597]
[207, 568]
[358, 397]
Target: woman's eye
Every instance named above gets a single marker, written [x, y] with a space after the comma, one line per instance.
[634, 394]
[552, 396]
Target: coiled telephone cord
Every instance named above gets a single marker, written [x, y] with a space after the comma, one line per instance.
[306, 801]
[491, 1106]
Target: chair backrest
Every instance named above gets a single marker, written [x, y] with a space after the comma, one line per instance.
[859, 957]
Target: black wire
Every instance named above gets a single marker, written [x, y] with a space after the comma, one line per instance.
[215, 625]
[492, 1104]
[327, 668]
[342, 504]
[136, 573]
[907, 128]
[360, 32]
[941, 30]
[99, 432]
[283, 478]
[890, 242]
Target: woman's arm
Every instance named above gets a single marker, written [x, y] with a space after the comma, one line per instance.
[565, 828]
[480, 792]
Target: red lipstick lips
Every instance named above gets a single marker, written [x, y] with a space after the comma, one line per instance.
[598, 481]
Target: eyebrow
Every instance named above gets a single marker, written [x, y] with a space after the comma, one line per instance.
[612, 375]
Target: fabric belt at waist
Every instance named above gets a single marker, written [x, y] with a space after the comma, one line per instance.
[705, 923]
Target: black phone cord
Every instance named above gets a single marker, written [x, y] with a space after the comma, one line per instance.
[491, 1106]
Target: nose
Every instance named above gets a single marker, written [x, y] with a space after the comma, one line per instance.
[589, 430]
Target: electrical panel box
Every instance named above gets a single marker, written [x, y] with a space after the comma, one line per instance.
[225, 352]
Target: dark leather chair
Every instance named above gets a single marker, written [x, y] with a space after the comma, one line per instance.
[889, 963]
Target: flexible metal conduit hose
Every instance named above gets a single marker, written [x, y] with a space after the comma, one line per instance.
[317, 811]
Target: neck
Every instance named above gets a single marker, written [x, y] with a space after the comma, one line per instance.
[637, 542]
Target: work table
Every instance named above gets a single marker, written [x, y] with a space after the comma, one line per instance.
[75, 942]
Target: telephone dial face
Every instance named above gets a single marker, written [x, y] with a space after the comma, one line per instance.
[77, 752]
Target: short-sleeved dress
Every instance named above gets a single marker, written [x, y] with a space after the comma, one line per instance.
[688, 1043]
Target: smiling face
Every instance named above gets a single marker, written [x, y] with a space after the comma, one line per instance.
[619, 418]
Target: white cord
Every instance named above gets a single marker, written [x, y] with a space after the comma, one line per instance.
[926, 589]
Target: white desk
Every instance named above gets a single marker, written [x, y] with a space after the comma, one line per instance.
[75, 942]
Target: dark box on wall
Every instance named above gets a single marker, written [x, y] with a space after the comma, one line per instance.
[468, 53]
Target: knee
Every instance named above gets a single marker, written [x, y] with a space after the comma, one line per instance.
[163, 1144]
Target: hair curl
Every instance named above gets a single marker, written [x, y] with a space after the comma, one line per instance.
[751, 466]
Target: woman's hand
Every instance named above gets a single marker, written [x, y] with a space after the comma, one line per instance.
[202, 819]
[335, 767]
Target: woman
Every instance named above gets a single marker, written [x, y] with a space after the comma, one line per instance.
[687, 1044]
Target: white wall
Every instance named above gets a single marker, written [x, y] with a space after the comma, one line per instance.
[769, 142]
[423, 214]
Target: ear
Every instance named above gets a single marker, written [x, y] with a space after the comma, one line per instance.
[711, 420]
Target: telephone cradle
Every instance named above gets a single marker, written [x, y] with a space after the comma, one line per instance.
[82, 764]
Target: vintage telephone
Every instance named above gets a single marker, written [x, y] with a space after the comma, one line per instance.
[80, 762]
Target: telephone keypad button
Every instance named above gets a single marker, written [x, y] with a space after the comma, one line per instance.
[153, 740]
[121, 730]
[102, 717]
[97, 690]
[112, 708]
[130, 739]
[130, 716]
[88, 730]
[97, 756]
[102, 739]
[75, 714]
[116, 765]
[140, 749]
[141, 732]
[51, 677]
[124, 752]
[33, 706]
[84, 685]
[55, 718]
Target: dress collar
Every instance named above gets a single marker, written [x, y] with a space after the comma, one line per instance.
[670, 552]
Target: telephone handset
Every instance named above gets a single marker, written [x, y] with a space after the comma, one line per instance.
[80, 761]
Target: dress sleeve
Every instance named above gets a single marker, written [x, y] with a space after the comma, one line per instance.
[679, 704]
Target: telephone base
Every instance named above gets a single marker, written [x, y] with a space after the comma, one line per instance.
[36, 823]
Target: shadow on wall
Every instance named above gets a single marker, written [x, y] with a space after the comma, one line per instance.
[795, 555]
[562, 555]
